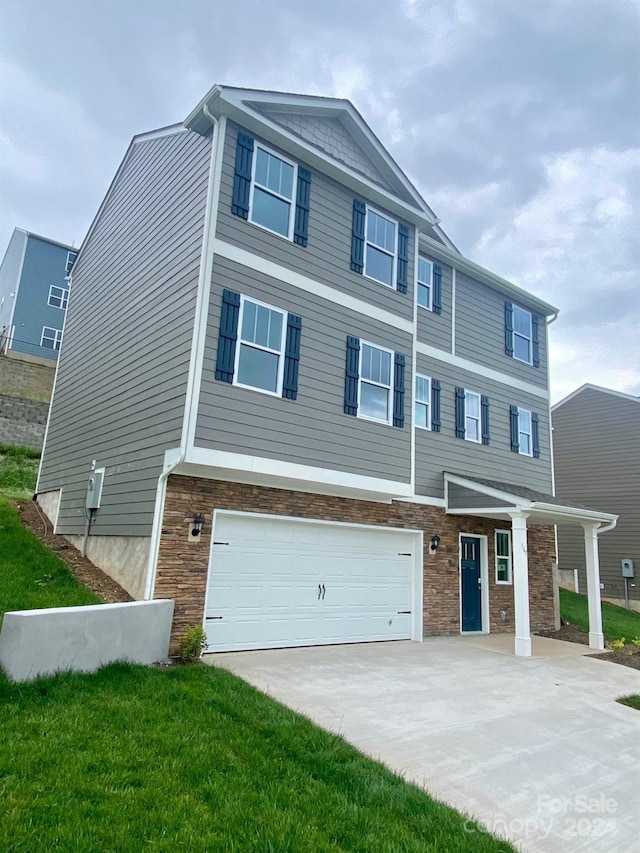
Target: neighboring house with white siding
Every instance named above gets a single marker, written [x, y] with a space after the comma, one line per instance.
[596, 448]
[303, 414]
[34, 291]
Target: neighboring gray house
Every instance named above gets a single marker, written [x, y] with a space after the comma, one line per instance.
[288, 402]
[34, 291]
[596, 448]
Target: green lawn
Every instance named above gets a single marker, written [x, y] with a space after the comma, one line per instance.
[31, 576]
[616, 621]
[194, 759]
[18, 471]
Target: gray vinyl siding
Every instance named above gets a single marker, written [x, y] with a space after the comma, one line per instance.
[327, 257]
[9, 275]
[312, 430]
[460, 497]
[442, 451]
[480, 331]
[122, 374]
[596, 439]
[435, 329]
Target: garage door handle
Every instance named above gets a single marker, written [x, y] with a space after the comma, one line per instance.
[404, 613]
[323, 591]
[319, 591]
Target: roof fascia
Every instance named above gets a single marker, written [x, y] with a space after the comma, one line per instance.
[486, 277]
[572, 513]
[588, 387]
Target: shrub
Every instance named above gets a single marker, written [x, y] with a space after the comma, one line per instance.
[193, 643]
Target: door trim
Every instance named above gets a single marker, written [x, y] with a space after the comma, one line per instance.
[417, 602]
[484, 576]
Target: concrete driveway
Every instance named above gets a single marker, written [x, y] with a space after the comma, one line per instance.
[537, 749]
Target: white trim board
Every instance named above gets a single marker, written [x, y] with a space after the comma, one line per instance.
[480, 370]
[309, 285]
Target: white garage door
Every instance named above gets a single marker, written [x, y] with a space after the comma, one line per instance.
[275, 583]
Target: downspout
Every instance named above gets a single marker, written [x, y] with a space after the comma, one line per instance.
[553, 467]
[171, 461]
[607, 527]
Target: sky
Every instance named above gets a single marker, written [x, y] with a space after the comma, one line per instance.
[517, 120]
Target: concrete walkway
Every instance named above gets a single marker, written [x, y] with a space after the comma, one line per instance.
[536, 748]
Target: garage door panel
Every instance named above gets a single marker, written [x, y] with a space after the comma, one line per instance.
[278, 583]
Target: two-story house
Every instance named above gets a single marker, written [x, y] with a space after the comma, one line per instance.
[286, 401]
[34, 291]
[596, 448]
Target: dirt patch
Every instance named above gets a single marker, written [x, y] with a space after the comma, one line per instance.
[83, 569]
[629, 656]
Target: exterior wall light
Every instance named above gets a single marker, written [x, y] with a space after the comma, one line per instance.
[198, 524]
[435, 543]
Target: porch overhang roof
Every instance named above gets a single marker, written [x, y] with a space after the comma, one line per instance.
[493, 499]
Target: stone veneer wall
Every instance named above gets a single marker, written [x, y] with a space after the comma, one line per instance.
[183, 565]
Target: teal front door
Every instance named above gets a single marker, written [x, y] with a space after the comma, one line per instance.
[471, 584]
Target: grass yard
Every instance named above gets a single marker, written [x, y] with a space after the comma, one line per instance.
[194, 759]
[30, 575]
[18, 471]
[616, 621]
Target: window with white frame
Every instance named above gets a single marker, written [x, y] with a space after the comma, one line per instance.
[272, 192]
[522, 334]
[503, 556]
[51, 338]
[374, 392]
[260, 350]
[472, 416]
[380, 247]
[425, 283]
[422, 402]
[71, 257]
[525, 439]
[58, 296]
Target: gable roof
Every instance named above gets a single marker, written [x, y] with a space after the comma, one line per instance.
[269, 114]
[588, 387]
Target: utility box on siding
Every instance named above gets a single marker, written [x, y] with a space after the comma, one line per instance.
[627, 569]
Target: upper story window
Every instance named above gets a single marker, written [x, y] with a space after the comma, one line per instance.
[422, 402]
[521, 334]
[58, 296]
[425, 283]
[525, 431]
[71, 258]
[503, 556]
[258, 346]
[374, 382]
[271, 191]
[379, 247]
[472, 416]
[51, 338]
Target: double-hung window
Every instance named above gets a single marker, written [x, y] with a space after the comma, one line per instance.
[272, 192]
[58, 297]
[522, 334]
[380, 248]
[71, 259]
[374, 393]
[472, 416]
[425, 283]
[503, 556]
[51, 338]
[525, 443]
[422, 402]
[260, 350]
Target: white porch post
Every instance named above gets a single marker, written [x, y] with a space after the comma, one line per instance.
[520, 565]
[596, 637]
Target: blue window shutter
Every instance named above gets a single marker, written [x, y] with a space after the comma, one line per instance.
[460, 426]
[352, 376]
[484, 411]
[515, 440]
[398, 390]
[436, 298]
[535, 434]
[357, 235]
[535, 332]
[403, 257]
[228, 335]
[242, 177]
[435, 405]
[291, 357]
[508, 329]
[301, 227]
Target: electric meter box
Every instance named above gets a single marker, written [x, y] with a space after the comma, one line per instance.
[627, 568]
[94, 490]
